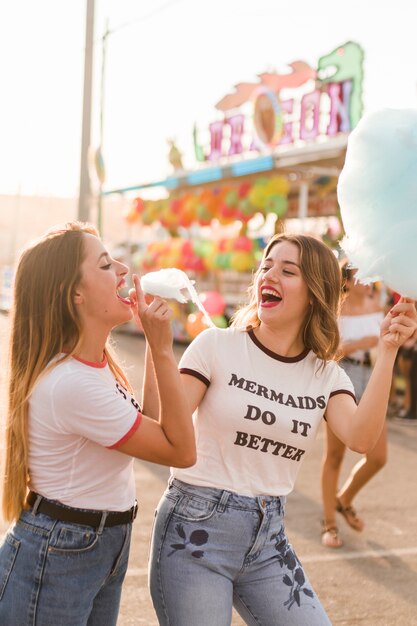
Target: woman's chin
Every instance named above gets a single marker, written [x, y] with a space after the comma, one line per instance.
[127, 316]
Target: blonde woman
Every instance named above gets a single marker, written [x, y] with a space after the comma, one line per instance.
[259, 391]
[73, 429]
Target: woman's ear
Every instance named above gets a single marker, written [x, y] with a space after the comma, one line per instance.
[78, 297]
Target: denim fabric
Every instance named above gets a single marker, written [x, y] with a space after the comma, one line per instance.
[212, 549]
[359, 375]
[56, 573]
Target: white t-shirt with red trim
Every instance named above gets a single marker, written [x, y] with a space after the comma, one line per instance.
[260, 414]
[78, 415]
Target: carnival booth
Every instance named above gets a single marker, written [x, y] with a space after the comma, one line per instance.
[270, 160]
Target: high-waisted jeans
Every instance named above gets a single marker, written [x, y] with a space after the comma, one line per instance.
[213, 549]
[55, 573]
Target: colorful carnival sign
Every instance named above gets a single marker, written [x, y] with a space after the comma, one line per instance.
[286, 108]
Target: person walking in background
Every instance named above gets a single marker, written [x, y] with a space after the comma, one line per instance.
[259, 390]
[359, 323]
[73, 430]
[408, 414]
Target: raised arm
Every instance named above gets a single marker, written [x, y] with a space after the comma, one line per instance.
[360, 426]
[150, 394]
[169, 440]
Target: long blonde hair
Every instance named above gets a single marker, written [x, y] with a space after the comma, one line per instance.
[44, 324]
[320, 270]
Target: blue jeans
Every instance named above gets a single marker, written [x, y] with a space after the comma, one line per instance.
[359, 375]
[56, 573]
[212, 549]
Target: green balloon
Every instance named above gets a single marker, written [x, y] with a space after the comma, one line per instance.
[232, 198]
[277, 204]
[219, 320]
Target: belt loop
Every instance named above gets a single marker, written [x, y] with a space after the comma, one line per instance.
[135, 511]
[102, 522]
[35, 507]
[223, 501]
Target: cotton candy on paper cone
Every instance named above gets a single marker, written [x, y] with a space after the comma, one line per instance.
[377, 193]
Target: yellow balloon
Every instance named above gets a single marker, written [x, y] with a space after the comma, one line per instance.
[242, 261]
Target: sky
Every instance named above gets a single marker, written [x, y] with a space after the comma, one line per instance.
[167, 63]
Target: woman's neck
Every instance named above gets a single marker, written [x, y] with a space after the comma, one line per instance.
[285, 343]
[91, 349]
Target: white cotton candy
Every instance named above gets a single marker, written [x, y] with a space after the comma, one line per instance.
[172, 283]
[377, 193]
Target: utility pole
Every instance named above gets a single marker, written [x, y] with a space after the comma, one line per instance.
[84, 193]
[100, 168]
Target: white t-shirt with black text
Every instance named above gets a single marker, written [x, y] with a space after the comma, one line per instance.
[260, 414]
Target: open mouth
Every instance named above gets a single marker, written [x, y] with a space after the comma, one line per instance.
[270, 296]
[122, 298]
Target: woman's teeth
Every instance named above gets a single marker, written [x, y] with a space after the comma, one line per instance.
[125, 300]
[270, 296]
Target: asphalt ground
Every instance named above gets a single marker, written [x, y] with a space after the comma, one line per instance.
[370, 581]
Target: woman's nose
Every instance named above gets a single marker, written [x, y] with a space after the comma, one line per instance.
[270, 274]
[123, 269]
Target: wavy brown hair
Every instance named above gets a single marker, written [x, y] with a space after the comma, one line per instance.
[320, 270]
[44, 324]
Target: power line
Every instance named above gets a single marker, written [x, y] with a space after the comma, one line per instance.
[138, 20]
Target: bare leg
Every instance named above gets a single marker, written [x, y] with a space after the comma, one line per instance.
[404, 365]
[361, 474]
[330, 470]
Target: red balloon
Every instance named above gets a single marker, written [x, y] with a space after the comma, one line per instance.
[138, 205]
[213, 302]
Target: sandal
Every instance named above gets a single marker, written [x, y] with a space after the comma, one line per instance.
[350, 516]
[330, 537]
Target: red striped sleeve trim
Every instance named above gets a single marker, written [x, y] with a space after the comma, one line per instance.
[185, 370]
[129, 433]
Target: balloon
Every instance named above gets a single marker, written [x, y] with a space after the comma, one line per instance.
[219, 320]
[258, 195]
[204, 216]
[244, 189]
[246, 209]
[377, 193]
[231, 198]
[213, 302]
[187, 247]
[242, 261]
[227, 212]
[138, 205]
[131, 216]
[278, 185]
[210, 260]
[175, 206]
[195, 263]
[195, 324]
[242, 243]
[276, 204]
[223, 260]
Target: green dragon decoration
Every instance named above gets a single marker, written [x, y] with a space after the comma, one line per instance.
[348, 63]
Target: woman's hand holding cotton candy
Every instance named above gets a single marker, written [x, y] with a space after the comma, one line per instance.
[152, 315]
[399, 324]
